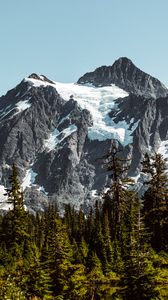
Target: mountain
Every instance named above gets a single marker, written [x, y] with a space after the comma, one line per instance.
[56, 132]
[127, 76]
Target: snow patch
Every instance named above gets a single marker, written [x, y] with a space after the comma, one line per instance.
[136, 177]
[38, 83]
[63, 119]
[56, 137]
[5, 112]
[94, 194]
[29, 179]
[23, 105]
[163, 149]
[20, 106]
[17, 94]
[52, 140]
[3, 199]
[42, 189]
[132, 121]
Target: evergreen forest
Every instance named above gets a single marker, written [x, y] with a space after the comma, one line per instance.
[117, 250]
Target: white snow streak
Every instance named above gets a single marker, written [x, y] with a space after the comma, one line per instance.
[52, 140]
[5, 112]
[22, 105]
[56, 137]
[163, 149]
[42, 189]
[29, 179]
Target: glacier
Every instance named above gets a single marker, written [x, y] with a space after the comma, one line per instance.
[99, 101]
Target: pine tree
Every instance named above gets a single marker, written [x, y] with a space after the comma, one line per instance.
[116, 198]
[155, 201]
[95, 275]
[107, 243]
[57, 254]
[139, 273]
[77, 283]
[36, 280]
[15, 195]
[83, 250]
[15, 223]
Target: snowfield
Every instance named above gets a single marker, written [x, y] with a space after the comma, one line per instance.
[99, 101]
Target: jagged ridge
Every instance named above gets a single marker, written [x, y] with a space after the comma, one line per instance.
[127, 76]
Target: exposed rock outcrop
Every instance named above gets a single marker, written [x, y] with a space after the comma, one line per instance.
[127, 76]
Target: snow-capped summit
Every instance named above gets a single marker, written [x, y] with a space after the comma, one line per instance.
[55, 132]
[40, 77]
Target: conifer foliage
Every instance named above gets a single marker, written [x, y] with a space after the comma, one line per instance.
[113, 252]
[155, 200]
[16, 218]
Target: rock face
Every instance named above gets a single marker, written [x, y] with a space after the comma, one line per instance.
[56, 133]
[152, 117]
[127, 76]
[36, 135]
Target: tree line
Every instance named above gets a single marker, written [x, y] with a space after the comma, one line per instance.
[118, 250]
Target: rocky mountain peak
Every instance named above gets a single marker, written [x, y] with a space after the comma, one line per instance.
[123, 64]
[40, 77]
[127, 76]
[55, 132]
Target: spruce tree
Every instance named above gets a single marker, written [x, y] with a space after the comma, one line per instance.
[16, 220]
[155, 201]
[107, 244]
[14, 193]
[139, 273]
[116, 198]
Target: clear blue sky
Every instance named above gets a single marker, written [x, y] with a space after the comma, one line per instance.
[63, 39]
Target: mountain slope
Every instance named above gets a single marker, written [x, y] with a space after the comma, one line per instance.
[55, 132]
